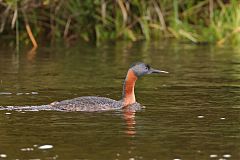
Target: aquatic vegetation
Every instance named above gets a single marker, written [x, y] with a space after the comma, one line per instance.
[99, 20]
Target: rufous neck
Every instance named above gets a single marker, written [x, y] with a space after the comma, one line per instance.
[128, 88]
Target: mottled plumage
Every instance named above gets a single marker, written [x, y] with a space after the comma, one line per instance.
[88, 103]
[91, 104]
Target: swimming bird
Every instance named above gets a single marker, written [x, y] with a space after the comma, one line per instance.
[91, 103]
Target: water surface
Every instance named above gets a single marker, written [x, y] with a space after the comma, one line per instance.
[191, 113]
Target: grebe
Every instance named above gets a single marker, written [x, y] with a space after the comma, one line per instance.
[91, 103]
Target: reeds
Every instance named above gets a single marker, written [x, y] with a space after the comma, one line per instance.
[215, 21]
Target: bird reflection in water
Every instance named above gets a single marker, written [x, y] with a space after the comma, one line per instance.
[129, 117]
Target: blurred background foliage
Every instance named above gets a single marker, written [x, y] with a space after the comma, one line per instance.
[199, 21]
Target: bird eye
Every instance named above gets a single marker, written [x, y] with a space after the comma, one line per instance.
[147, 67]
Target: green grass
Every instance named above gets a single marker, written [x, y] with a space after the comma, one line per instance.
[214, 21]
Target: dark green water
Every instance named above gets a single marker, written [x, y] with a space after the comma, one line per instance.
[193, 113]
